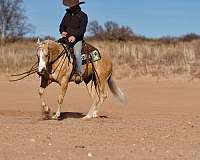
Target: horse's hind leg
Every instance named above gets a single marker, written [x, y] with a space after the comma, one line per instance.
[62, 92]
[102, 98]
[102, 94]
[45, 108]
[98, 96]
[95, 100]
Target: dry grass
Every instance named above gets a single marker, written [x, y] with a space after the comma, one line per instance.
[152, 58]
[16, 56]
[130, 59]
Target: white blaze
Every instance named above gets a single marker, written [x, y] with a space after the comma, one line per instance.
[41, 61]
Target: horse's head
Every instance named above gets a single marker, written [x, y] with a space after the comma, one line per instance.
[48, 52]
[43, 56]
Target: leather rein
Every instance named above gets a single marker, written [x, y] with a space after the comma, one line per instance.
[34, 67]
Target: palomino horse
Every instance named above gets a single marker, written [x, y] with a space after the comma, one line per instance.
[56, 66]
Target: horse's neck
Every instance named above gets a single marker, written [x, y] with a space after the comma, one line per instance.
[60, 58]
[56, 54]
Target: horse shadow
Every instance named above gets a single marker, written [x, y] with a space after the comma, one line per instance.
[75, 115]
[65, 115]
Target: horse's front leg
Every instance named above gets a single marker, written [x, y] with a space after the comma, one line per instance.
[44, 107]
[62, 92]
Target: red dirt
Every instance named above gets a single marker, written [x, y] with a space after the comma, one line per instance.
[160, 122]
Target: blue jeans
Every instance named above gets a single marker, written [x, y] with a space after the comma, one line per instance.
[77, 52]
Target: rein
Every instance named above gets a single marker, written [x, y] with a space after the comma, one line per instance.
[66, 54]
[33, 69]
[23, 75]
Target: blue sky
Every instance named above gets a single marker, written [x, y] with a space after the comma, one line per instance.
[151, 18]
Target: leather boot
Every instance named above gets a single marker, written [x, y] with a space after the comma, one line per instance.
[78, 78]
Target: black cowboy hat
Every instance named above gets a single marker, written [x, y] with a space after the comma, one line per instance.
[71, 3]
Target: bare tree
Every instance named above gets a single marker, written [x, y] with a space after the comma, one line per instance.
[94, 28]
[12, 19]
[116, 32]
[110, 31]
[111, 27]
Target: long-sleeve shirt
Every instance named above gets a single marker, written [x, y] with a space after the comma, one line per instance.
[74, 23]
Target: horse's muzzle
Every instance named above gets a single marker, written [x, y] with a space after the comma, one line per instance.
[42, 72]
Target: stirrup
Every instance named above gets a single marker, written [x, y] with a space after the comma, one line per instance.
[78, 78]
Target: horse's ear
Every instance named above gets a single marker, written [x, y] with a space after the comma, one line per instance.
[38, 41]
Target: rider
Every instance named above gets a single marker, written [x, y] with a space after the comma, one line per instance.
[73, 26]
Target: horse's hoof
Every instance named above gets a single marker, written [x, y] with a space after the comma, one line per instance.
[95, 115]
[46, 112]
[55, 117]
[46, 116]
[87, 117]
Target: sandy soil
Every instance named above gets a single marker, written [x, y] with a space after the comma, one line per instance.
[160, 122]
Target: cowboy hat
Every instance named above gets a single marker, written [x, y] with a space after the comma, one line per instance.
[71, 3]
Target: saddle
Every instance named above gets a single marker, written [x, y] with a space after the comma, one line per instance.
[89, 54]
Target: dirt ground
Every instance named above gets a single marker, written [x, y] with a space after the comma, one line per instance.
[161, 121]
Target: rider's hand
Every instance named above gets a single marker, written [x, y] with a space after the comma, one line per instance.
[71, 39]
[64, 34]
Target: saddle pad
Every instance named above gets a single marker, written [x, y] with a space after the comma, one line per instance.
[88, 51]
[93, 57]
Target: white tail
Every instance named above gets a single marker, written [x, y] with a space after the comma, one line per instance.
[116, 91]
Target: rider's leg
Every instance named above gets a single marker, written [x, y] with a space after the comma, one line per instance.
[77, 52]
